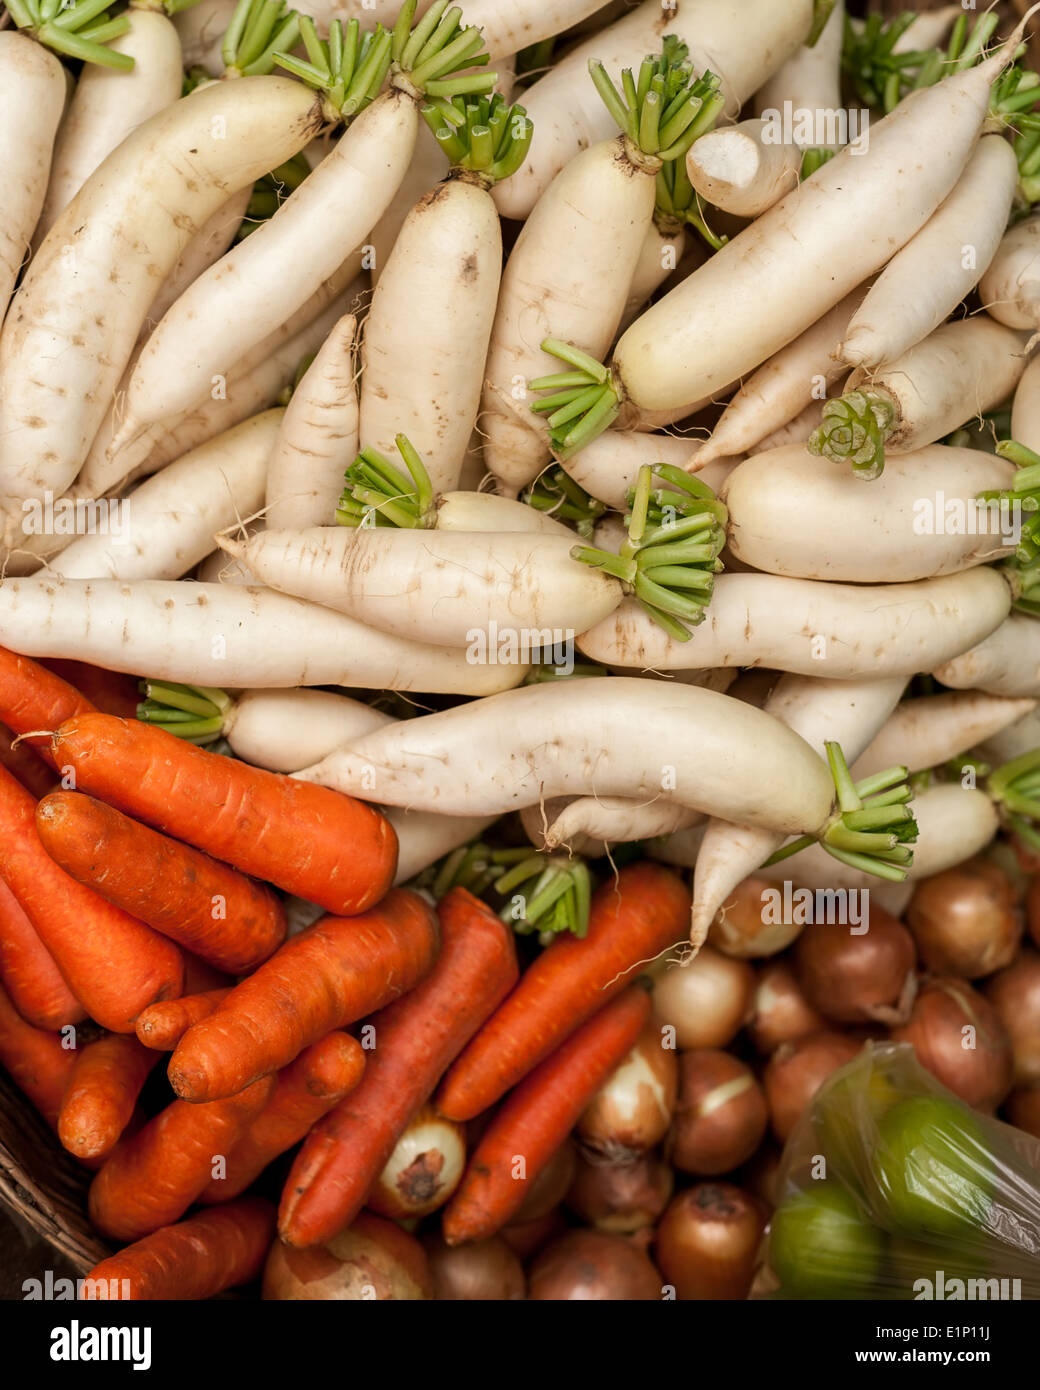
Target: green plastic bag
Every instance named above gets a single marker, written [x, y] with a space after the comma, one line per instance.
[892, 1188]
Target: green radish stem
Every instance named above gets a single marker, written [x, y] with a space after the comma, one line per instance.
[194, 713]
[82, 30]
[671, 557]
[379, 494]
[427, 59]
[580, 404]
[270, 192]
[678, 205]
[662, 111]
[854, 430]
[492, 140]
[348, 68]
[872, 827]
[548, 894]
[1014, 789]
[1023, 568]
[255, 34]
[555, 492]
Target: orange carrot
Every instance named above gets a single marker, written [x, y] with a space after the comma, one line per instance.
[24, 762]
[34, 699]
[316, 843]
[28, 972]
[335, 972]
[200, 976]
[102, 1092]
[114, 965]
[112, 692]
[632, 918]
[537, 1117]
[416, 1039]
[37, 1062]
[204, 905]
[161, 1026]
[212, 1251]
[304, 1091]
[152, 1179]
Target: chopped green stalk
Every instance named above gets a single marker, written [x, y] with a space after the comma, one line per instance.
[555, 492]
[194, 713]
[872, 827]
[1015, 790]
[491, 138]
[667, 109]
[348, 68]
[257, 31]
[671, 567]
[821, 13]
[854, 430]
[548, 894]
[600, 405]
[81, 30]
[1021, 502]
[812, 160]
[544, 672]
[678, 204]
[378, 494]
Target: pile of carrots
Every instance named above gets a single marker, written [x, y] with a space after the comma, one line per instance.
[140, 916]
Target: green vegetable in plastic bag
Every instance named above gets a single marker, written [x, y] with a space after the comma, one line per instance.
[893, 1188]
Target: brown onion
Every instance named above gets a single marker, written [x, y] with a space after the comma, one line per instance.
[1033, 908]
[1022, 1109]
[965, 920]
[633, 1108]
[707, 1001]
[526, 1238]
[797, 1070]
[621, 1198]
[1015, 994]
[588, 1265]
[424, 1169]
[744, 927]
[761, 1177]
[780, 1011]
[371, 1259]
[721, 1116]
[482, 1271]
[549, 1186]
[959, 1038]
[857, 978]
[708, 1241]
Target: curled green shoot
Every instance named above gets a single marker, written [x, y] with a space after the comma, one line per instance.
[579, 404]
[491, 139]
[676, 531]
[377, 493]
[1022, 502]
[257, 31]
[195, 713]
[81, 30]
[557, 494]
[854, 430]
[872, 827]
[664, 108]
